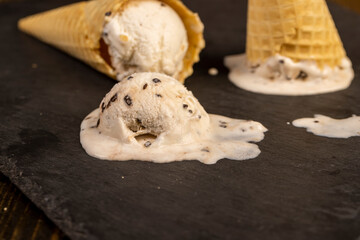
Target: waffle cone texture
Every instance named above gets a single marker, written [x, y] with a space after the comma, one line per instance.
[297, 29]
[77, 29]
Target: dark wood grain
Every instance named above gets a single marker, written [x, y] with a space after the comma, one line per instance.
[21, 219]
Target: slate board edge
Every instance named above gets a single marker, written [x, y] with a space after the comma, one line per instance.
[45, 203]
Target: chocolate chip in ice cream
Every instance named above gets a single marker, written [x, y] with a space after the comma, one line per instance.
[206, 149]
[113, 98]
[128, 100]
[302, 75]
[156, 80]
[102, 106]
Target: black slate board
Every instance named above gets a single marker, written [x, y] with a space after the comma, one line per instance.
[301, 186]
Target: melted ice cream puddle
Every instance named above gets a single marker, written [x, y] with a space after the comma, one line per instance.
[328, 127]
[282, 76]
[152, 117]
[146, 36]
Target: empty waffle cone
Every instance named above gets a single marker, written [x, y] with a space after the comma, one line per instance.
[298, 29]
[77, 29]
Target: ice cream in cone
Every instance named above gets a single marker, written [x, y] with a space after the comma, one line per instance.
[292, 48]
[120, 37]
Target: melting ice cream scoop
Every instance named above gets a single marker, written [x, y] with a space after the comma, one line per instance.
[153, 117]
[292, 48]
[146, 36]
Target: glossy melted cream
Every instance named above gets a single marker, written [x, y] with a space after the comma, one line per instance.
[280, 75]
[328, 127]
[152, 117]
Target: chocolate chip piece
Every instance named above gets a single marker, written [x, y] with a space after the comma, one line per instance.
[102, 106]
[156, 80]
[159, 95]
[316, 121]
[185, 106]
[302, 75]
[205, 150]
[145, 86]
[105, 34]
[108, 13]
[163, 4]
[108, 105]
[199, 116]
[114, 98]
[190, 111]
[128, 100]
[98, 122]
[138, 121]
[222, 122]
[243, 130]
[223, 126]
[147, 144]
[281, 61]
[130, 77]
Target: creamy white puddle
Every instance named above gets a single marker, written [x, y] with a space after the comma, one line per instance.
[153, 117]
[280, 75]
[328, 127]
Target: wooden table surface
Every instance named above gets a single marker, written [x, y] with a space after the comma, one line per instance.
[21, 219]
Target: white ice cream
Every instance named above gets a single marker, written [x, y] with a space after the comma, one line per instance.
[280, 75]
[152, 117]
[147, 36]
[328, 127]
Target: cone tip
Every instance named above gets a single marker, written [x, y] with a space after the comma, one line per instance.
[21, 24]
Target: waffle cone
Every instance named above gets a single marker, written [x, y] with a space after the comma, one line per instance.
[77, 28]
[298, 29]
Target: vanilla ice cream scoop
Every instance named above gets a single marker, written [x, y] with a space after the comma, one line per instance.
[146, 36]
[153, 117]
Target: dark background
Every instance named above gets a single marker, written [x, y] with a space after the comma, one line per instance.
[301, 186]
